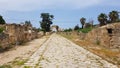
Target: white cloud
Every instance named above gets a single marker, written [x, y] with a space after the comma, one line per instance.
[29, 5]
[111, 3]
[26, 5]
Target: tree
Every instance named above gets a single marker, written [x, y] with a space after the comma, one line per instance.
[2, 21]
[102, 18]
[28, 23]
[76, 27]
[113, 16]
[57, 27]
[82, 20]
[68, 30]
[46, 21]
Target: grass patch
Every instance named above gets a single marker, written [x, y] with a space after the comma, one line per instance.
[67, 36]
[85, 30]
[5, 66]
[19, 62]
[27, 67]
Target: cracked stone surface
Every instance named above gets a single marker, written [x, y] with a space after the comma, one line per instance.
[58, 52]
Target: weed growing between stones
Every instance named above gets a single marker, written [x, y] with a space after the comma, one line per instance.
[5, 66]
[97, 42]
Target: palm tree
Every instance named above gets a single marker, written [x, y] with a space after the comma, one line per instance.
[102, 18]
[114, 16]
[82, 20]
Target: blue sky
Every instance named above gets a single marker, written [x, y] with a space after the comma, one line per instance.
[67, 12]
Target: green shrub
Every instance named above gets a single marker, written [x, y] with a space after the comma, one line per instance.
[68, 30]
[1, 29]
[76, 27]
[85, 30]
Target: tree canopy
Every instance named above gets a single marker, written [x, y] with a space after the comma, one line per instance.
[68, 30]
[28, 23]
[46, 21]
[2, 21]
[113, 16]
[76, 27]
[57, 27]
[82, 20]
[102, 18]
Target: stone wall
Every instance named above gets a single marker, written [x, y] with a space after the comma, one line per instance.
[16, 34]
[4, 41]
[107, 36]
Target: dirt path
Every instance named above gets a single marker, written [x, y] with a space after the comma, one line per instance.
[24, 51]
[59, 52]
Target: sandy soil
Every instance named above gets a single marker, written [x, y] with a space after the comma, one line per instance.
[23, 51]
[58, 52]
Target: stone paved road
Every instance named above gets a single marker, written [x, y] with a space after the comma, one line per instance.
[58, 52]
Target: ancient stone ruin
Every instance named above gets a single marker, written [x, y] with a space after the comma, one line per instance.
[16, 34]
[107, 36]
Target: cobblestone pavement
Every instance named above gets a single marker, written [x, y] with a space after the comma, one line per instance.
[58, 52]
